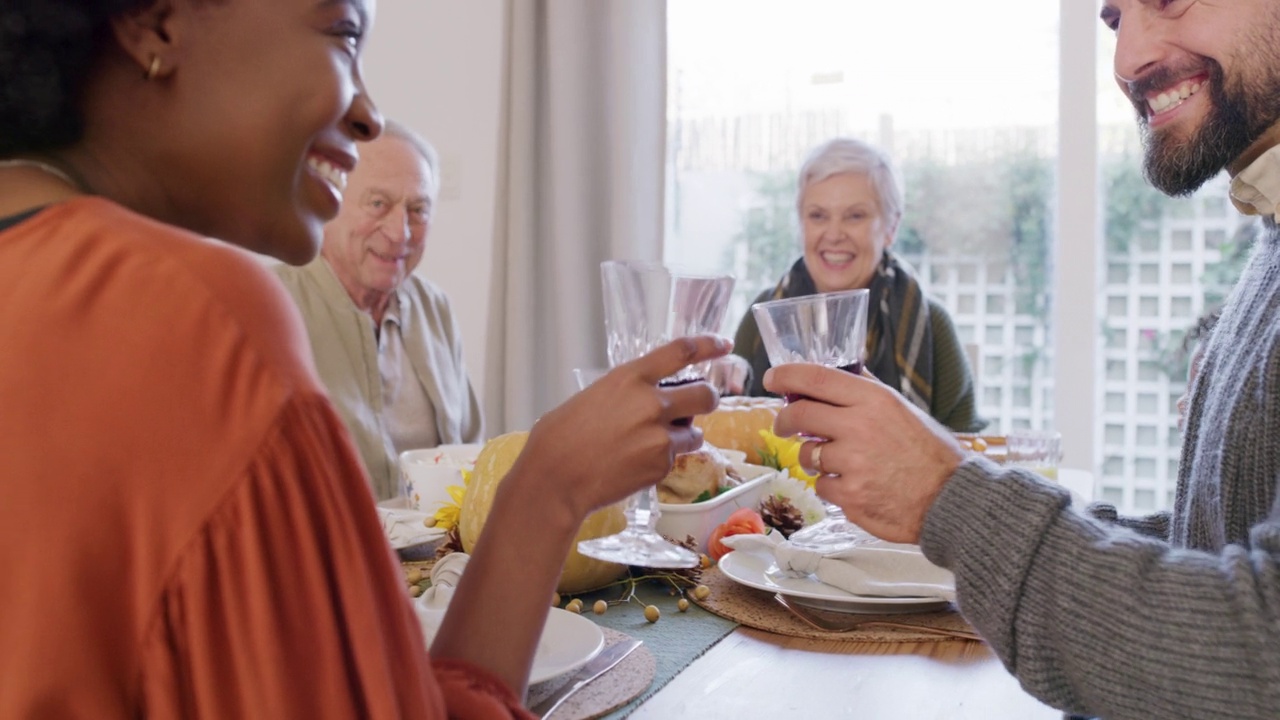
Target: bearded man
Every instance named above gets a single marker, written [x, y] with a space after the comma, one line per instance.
[1175, 615]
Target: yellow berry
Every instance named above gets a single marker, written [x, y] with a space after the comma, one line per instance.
[415, 590]
[574, 606]
[682, 604]
[429, 522]
[979, 444]
[651, 613]
[414, 576]
[599, 607]
[701, 592]
[704, 561]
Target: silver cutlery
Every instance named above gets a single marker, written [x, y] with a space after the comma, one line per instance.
[594, 668]
[852, 622]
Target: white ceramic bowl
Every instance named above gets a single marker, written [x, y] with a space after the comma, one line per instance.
[679, 521]
[426, 474]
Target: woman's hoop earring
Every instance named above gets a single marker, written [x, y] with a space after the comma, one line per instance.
[153, 69]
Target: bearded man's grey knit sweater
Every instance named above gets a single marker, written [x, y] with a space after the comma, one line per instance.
[1097, 619]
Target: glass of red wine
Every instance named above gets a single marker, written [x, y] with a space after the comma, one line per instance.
[825, 329]
[647, 305]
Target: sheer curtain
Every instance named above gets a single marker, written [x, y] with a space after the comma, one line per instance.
[581, 181]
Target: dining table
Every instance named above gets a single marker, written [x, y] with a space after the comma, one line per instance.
[704, 662]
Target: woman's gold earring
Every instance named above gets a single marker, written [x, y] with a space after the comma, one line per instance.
[153, 69]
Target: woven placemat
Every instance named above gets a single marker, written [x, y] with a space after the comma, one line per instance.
[757, 609]
[608, 692]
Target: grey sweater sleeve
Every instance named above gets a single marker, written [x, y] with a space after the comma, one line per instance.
[1155, 525]
[1098, 620]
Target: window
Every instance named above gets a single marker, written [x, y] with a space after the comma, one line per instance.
[1181, 275]
[1113, 466]
[1115, 402]
[1113, 495]
[1115, 434]
[978, 162]
[992, 397]
[1214, 239]
[1144, 468]
[1180, 307]
[1149, 274]
[1147, 403]
[1149, 307]
[1144, 499]
[1180, 240]
[1149, 371]
[1215, 207]
[1117, 306]
[1116, 370]
[1024, 336]
[1022, 397]
[1117, 274]
[993, 365]
[1117, 339]
[1146, 437]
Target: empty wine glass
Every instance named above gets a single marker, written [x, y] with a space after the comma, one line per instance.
[825, 329]
[647, 305]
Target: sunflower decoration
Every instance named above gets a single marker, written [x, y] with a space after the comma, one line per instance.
[784, 454]
[446, 517]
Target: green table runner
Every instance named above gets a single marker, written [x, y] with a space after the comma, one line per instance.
[677, 639]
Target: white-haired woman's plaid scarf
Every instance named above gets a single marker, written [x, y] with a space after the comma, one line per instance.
[899, 333]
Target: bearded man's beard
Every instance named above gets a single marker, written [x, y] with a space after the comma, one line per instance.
[1238, 115]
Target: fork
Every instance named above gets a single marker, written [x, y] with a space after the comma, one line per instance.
[853, 623]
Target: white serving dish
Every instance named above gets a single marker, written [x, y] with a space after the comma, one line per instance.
[426, 474]
[679, 521]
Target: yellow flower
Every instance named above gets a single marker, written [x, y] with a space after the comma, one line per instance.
[446, 518]
[784, 454]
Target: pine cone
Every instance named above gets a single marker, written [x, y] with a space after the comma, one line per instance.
[452, 543]
[780, 514]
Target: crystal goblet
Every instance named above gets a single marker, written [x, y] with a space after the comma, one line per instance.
[647, 305]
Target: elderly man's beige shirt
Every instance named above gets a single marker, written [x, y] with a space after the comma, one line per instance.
[346, 352]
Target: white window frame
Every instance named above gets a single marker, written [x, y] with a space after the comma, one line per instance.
[1077, 260]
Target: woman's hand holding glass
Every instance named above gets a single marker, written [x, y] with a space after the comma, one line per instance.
[620, 435]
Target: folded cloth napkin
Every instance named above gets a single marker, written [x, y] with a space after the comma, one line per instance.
[431, 604]
[405, 528]
[845, 556]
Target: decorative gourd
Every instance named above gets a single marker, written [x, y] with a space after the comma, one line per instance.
[580, 573]
[737, 422]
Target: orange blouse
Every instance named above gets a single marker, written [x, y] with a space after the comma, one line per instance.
[185, 529]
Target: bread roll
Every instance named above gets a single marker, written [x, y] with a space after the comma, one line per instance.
[700, 472]
[737, 422]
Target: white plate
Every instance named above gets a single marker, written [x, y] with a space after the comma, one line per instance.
[568, 641]
[755, 571]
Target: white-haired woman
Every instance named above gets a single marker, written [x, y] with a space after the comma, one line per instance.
[849, 203]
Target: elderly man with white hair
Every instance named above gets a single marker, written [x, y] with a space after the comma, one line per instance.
[384, 339]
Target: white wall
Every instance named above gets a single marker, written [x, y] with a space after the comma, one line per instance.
[437, 66]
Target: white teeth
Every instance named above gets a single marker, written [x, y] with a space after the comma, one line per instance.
[334, 176]
[837, 258]
[1172, 98]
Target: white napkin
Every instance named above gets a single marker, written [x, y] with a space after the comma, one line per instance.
[431, 605]
[847, 557]
[405, 528]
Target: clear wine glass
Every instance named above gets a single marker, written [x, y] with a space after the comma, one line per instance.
[825, 329]
[647, 305]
